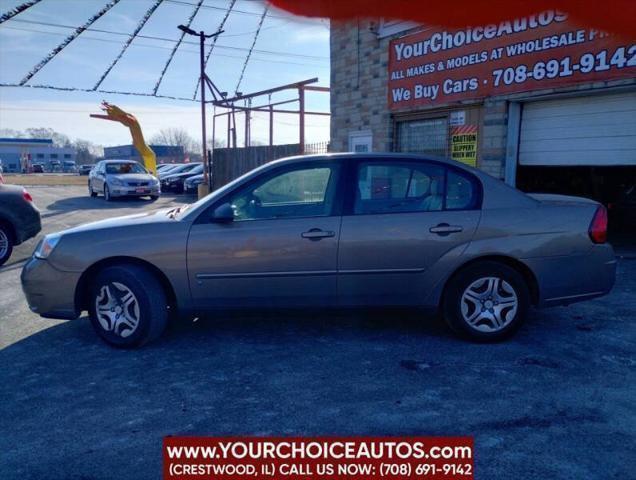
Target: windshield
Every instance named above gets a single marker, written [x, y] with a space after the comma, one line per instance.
[124, 167]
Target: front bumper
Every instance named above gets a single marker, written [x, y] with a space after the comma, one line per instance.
[49, 292]
[128, 191]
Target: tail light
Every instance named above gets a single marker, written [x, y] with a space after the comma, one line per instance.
[598, 227]
[26, 195]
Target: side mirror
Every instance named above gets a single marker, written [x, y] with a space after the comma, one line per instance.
[223, 214]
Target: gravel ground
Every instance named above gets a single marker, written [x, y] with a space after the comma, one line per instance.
[556, 401]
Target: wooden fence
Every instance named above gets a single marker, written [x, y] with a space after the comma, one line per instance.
[230, 163]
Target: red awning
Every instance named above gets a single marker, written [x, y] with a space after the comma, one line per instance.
[617, 16]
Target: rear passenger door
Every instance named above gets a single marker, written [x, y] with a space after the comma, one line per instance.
[400, 219]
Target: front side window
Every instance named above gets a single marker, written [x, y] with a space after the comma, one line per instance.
[388, 188]
[306, 192]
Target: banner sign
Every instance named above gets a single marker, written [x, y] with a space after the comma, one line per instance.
[318, 458]
[464, 144]
[438, 66]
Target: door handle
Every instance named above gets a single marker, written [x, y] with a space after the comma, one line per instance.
[317, 234]
[445, 229]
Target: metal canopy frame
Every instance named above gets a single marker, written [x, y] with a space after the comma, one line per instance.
[230, 104]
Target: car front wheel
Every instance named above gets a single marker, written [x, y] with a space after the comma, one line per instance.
[486, 302]
[107, 196]
[6, 243]
[127, 306]
[91, 192]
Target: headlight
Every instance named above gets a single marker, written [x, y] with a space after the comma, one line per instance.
[46, 245]
[154, 181]
[116, 181]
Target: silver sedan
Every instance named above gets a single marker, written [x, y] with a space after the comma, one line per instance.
[122, 178]
[331, 230]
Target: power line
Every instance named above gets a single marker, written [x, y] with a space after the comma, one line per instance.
[68, 40]
[16, 10]
[77, 89]
[143, 45]
[171, 40]
[174, 50]
[140, 25]
[249, 54]
[243, 12]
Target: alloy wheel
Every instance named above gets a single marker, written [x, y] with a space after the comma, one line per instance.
[4, 243]
[117, 309]
[489, 304]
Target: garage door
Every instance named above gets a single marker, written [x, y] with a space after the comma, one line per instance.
[594, 130]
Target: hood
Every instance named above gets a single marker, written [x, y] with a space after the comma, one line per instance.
[144, 218]
[132, 177]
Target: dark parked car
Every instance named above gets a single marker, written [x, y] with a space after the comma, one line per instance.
[19, 219]
[37, 168]
[85, 169]
[174, 182]
[191, 184]
[332, 230]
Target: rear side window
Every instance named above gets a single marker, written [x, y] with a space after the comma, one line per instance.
[387, 188]
[413, 187]
[461, 191]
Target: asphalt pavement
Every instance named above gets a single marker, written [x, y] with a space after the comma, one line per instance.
[556, 401]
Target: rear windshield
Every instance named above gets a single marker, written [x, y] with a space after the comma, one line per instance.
[115, 168]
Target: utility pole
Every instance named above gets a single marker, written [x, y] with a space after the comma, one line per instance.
[204, 188]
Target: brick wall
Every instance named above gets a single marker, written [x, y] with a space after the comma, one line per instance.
[359, 69]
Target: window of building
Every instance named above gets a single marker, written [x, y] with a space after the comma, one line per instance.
[39, 155]
[305, 192]
[67, 155]
[426, 136]
[53, 155]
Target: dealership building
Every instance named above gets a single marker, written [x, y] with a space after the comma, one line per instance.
[17, 154]
[541, 103]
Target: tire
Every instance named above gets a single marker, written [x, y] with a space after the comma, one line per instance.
[91, 192]
[486, 302]
[6, 242]
[154, 197]
[138, 311]
[107, 196]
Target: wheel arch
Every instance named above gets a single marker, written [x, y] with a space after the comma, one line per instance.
[83, 284]
[519, 266]
[10, 227]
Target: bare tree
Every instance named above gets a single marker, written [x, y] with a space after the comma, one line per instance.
[176, 137]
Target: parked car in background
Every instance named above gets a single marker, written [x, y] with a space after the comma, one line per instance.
[85, 169]
[174, 181]
[121, 178]
[19, 218]
[191, 184]
[181, 168]
[327, 230]
[69, 166]
[164, 166]
[37, 168]
[55, 166]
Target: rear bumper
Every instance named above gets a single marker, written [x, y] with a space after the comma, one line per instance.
[49, 292]
[30, 227]
[569, 279]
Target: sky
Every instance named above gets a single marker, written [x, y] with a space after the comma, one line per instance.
[288, 49]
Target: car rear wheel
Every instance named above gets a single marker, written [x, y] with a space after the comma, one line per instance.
[486, 302]
[107, 196]
[127, 306]
[6, 243]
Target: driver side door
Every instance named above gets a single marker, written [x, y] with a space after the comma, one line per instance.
[281, 247]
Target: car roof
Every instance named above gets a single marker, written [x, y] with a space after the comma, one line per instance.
[119, 161]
